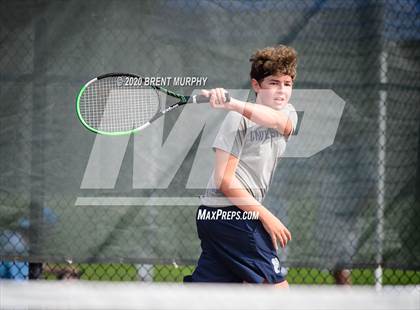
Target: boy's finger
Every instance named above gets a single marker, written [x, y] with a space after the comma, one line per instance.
[286, 235]
[220, 94]
[223, 94]
[274, 240]
[283, 239]
[280, 239]
[289, 235]
[215, 94]
[212, 98]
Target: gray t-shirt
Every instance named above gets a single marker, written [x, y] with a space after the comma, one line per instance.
[258, 149]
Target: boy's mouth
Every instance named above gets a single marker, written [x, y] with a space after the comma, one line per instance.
[280, 99]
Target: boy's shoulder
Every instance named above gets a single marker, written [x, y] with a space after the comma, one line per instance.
[236, 118]
[290, 107]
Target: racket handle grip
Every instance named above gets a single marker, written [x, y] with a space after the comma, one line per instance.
[204, 99]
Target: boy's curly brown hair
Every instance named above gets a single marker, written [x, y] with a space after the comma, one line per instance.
[280, 59]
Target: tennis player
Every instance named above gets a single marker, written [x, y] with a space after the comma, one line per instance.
[237, 246]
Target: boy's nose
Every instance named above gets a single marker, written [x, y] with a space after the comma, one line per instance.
[280, 90]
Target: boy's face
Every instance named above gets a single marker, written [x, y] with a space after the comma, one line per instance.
[274, 91]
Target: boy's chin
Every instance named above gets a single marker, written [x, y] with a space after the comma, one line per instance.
[278, 104]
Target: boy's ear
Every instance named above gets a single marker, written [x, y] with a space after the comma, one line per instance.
[255, 85]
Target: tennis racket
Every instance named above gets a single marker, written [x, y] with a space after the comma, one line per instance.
[120, 104]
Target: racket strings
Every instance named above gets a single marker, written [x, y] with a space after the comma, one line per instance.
[109, 107]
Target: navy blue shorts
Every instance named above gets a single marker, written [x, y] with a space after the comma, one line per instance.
[235, 250]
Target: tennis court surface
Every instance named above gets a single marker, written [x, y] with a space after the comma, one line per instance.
[122, 295]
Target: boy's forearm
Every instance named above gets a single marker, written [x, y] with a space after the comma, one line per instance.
[241, 198]
[261, 114]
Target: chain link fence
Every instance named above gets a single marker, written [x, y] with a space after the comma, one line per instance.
[175, 273]
[353, 208]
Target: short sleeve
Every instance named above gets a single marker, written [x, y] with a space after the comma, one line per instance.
[293, 118]
[231, 135]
